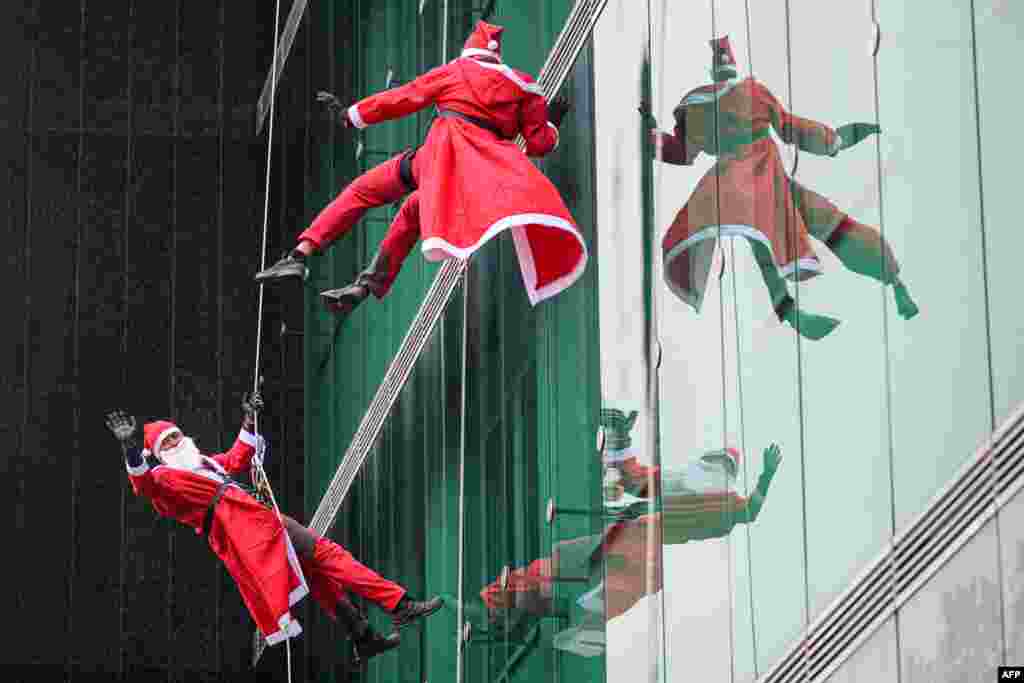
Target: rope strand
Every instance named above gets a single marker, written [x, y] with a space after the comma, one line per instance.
[259, 475]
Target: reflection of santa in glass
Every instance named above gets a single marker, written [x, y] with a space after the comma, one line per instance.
[699, 501]
[747, 193]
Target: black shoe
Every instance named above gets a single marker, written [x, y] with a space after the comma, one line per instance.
[409, 611]
[373, 644]
[343, 301]
[288, 266]
[366, 642]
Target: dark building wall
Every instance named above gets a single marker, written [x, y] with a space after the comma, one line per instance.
[133, 184]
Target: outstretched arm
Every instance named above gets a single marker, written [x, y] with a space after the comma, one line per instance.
[122, 426]
[539, 122]
[674, 148]
[238, 459]
[772, 458]
[807, 134]
[398, 102]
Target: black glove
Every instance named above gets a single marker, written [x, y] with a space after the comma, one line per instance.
[122, 426]
[251, 405]
[557, 109]
[647, 114]
[335, 107]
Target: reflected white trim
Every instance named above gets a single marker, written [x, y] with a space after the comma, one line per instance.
[438, 249]
[511, 75]
[836, 146]
[703, 98]
[620, 455]
[355, 117]
[806, 267]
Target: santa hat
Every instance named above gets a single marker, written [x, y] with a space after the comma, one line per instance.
[723, 61]
[154, 434]
[730, 456]
[485, 41]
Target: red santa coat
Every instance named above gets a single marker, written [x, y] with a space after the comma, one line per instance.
[472, 183]
[249, 538]
[747, 193]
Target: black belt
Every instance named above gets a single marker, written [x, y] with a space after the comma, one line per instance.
[405, 170]
[208, 519]
[481, 123]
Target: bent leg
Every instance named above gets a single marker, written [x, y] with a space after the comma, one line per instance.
[396, 246]
[381, 185]
[861, 248]
[333, 571]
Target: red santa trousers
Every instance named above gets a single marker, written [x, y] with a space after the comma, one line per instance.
[333, 571]
[381, 185]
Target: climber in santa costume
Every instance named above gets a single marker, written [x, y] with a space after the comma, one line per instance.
[699, 502]
[275, 561]
[747, 193]
[471, 181]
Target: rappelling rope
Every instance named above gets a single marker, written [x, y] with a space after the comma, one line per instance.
[462, 480]
[259, 475]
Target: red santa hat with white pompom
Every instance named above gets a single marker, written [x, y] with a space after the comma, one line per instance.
[154, 434]
[485, 41]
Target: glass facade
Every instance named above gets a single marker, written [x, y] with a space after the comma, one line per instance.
[796, 325]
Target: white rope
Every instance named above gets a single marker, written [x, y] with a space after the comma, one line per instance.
[259, 476]
[462, 478]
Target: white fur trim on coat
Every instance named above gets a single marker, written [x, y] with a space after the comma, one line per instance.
[355, 118]
[437, 249]
[480, 52]
[511, 75]
[141, 469]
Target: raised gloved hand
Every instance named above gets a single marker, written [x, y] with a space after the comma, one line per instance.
[557, 109]
[335, 106]
[252, 403]
[772, 458]
[647, 114]
[122, 426]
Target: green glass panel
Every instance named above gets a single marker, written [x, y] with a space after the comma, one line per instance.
[846, 434]
[938, 361]
[1000, 39]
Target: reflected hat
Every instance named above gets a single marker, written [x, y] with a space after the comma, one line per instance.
[485, 40]
[730, 456]
[723, 61]
[154, 434]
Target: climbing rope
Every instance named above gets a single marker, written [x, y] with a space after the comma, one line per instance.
[462, 480]
[259, 475]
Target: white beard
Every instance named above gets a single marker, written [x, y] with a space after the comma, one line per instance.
[699, 478]
[184, 456]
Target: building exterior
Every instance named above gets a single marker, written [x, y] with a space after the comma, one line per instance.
[884, 548]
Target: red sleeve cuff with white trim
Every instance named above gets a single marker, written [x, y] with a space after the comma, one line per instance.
[355, 117]
[135, 462]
